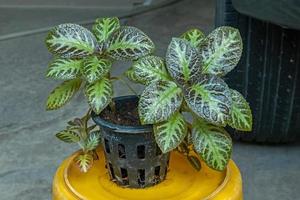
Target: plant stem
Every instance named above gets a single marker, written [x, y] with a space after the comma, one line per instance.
[127, 84]
[112, 106]
[85, 119]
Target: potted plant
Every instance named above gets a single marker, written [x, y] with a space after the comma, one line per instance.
[138, 132]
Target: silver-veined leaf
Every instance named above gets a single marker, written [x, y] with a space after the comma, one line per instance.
[221, 51]
[71, 41]
[104, 27]
[148, 69]
[212, 143]
[95, 68]
[129, 43]
[210, 99]
[84, 161]
[62, 94]
[183, 61]
[169, 134]
[194, 36]
[93, 141]
[159, 101]
[99, 94]
[64, 68]
[68, 136]
[240, 115]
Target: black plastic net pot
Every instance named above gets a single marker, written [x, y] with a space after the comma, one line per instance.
[132, 156]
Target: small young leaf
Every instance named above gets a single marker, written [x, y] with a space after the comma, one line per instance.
[240, 115]
[210, 99]
[95, 68]
[71, 41]
[194, 162]
[68, 136]
[183, 61]
[64, 69]
[129, 43]
[194, 36]
[84, 161]
[104, 27]
[62, 94]
[170, 134]
[99, 94]
[147, 70]
[221, 51]
[212, 143]
[93, 141]
[159, 101]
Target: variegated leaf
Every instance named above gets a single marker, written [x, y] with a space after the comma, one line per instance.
[169, 134]
[212, 143]
[129, 43]
[147, 70]
[84, 161]
[71, 41]
[95, 68]
[64, 68]
[104, 27]
[93, 141]
[159, 101]
[221, 51]
[210, 99]
[240, 115]
[183, 61]
[62, 94]
[68, 136]
[194, 36]
[99, 94]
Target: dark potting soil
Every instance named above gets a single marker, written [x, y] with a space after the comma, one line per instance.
[126, 115]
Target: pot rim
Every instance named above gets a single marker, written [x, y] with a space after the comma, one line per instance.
[121, 128]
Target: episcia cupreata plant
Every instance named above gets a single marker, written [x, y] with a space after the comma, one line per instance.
[189, 80]
[83, 59]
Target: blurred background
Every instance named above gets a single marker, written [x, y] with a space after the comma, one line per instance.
[30, 153]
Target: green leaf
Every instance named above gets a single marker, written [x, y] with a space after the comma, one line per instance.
[183, 61]
[93, 141]
[71, 41]
[171, 133]
[147, 70]
[240, 115]
[212, 143]
[84, 161]
[104, 27]
[95, 68]
[64, 68]
[210, 99]
[129, 43]
[99, 94]
[159, 101]
[221, 51]
[194, 36]
[68, 136]
[62, 94]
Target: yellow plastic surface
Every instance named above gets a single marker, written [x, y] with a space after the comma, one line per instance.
[182, 183]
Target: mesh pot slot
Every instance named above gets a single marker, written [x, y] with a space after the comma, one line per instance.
[133, 158]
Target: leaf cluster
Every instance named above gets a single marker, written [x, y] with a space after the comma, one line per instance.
[189, 79]
[84, 58]
[79, 131]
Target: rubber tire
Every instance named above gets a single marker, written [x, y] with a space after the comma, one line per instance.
[267, 74]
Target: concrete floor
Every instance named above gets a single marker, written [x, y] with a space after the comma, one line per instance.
[30, 153]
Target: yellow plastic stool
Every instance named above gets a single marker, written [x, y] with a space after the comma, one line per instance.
[182, 183]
